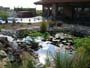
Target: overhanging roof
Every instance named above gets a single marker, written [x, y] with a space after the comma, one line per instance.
[38, 2]
[61, 1]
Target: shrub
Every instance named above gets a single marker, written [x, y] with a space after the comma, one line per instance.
[23, 33]
[35, 34]
[43, 27]
[27, 61]
[81, 58]
[83, 47]
[46, 35]
[83, 42]
[60, 61]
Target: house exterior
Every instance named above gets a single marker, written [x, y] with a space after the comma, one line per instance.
[70, 11]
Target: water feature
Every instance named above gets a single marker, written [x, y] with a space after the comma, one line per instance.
[47, 49]
[50, 50]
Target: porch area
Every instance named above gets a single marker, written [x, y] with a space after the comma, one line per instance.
[72, 12]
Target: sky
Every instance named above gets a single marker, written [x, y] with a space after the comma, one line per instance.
[20, 3]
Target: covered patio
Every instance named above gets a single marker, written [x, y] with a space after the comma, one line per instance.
[70, 11]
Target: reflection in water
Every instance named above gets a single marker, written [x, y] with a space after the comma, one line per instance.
[50, 50]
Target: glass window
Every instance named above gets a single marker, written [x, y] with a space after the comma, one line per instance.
[86, 9]
[79, 9]
[46, 8]
[60, 10]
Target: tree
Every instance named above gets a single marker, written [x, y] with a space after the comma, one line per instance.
[4, 15]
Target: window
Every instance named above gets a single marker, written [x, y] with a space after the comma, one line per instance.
[86, 9]
[60, 10]
[79, 9]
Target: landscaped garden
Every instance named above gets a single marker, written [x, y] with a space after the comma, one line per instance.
[44, 49]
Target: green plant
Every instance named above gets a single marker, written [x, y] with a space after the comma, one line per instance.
[43, 27]
[60, 61]
[27, 61]
[23, 33]
[81, 58]
[35, 34]
[46, 35]
[57, 60]
[4, 15]
[83, 42]
[63, 61]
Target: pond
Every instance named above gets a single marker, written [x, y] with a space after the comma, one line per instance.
[46, 48]
[49, 50]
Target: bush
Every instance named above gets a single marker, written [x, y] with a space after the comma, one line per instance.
[46, 35]
[43, 27]
[83, 52]
[81, 58]
[35, 34]
[4, 15]
[22, 33]
[83, 42]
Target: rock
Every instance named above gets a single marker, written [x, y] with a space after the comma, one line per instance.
[8, 38]
[4, 41]
[2, 54]
[38, 39]
[39, 65]
[27, 40]
[9, 32]
[14, 45]
[8, 41]
[57, 35]
[1, 45]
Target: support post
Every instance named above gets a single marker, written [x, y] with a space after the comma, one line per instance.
[54, 11]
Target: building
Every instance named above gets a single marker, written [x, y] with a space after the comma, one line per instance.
[25, 12]
[4, 8]
[70, 11]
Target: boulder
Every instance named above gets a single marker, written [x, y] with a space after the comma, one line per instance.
[4, 42]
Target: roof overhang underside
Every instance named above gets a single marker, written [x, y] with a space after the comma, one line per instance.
[42, 2]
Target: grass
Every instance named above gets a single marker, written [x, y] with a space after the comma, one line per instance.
[27, 62]
[83, 42]
[81, 58]
[43, 27]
